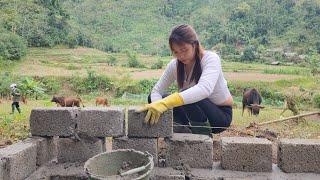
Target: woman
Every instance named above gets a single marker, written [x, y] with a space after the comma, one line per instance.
[203, 93]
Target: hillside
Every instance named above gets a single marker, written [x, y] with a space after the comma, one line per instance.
[263, 28]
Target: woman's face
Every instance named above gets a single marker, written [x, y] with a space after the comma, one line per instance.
[184, 52]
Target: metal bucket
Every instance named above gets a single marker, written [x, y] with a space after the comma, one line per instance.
[120, 164]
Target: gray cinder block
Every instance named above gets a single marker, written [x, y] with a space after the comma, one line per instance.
[299, 155]
[140, 144]
[64, 171]
[4, 171]
[18, 161]
[137, 127]
[60, 121]
[70, 150]
[193, 150]
[246, 154]
[46, 149]
[102, 122]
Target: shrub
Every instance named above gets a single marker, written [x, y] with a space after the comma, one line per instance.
[132, 59]
[249, 54]
[147, 85]
[91, 83]
[316, 100]
[12, 46]
[112, 61]
[157, 65]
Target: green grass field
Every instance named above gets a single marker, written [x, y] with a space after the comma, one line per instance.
[64, 62]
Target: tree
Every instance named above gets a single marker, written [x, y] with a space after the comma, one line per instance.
[249, 54]
[12, 46]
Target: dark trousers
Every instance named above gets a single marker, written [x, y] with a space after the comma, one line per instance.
[15, 105]
[203, 111]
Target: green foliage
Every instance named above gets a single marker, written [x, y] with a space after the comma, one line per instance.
[112, 61]
[91, 83]
[72, 67]
[314, 60]
[12, 46]
[241, 11]
[5, 80]
[318, 47]
[51, 84]
[316, 100]
[31, 87]
[249, 54]
[133, 60]
[286, 71]
[236, 24]
[126, 85]
[157, 65]
[147, 85]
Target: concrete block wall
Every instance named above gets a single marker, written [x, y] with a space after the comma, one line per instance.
[189, 149]
[137, 127]
[246, 154]
[74, 150]
[102, 122]
[60, 121]
[18, 161]
[299, 155]
[141, 144]
[61, 136]
[46, 149]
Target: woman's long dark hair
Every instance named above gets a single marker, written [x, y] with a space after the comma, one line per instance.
[186, 34]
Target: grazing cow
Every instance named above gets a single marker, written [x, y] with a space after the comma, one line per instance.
[251, 100]
[67, 101]
[101, 101]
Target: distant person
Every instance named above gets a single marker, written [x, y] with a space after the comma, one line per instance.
[203, 93]
[16, 96]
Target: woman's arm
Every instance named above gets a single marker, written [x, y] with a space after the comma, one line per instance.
[167, 78]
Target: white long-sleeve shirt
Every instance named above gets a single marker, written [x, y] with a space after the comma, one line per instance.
[211, 84]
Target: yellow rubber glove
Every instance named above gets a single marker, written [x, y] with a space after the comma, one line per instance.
[155, 109]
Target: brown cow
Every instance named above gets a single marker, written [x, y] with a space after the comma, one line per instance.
[251, 100]
[67, 101]
[24, 99]
[101, 101]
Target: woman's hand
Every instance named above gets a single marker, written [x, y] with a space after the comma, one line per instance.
[156, 108]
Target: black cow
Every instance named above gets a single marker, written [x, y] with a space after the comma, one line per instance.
[251, 100]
